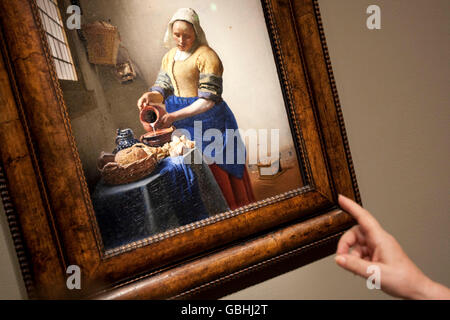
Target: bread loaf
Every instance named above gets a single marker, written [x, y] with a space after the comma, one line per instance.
[130, 155]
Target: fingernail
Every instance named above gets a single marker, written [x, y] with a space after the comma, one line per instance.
[340, 259]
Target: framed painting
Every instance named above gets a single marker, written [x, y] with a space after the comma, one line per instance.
[168, 151]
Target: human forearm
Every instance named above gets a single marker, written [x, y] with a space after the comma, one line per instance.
[431, 290]
[199, 106]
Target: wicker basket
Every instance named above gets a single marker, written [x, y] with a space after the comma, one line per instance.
[103, 41]
[114, 173]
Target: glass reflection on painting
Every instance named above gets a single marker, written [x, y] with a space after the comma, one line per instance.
[185, 117]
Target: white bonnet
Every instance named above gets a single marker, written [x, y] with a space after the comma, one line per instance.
[189, 15]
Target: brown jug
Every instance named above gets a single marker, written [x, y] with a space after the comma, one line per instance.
[155, 135]
[149, 115]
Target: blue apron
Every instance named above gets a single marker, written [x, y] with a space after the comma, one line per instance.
[218, 117]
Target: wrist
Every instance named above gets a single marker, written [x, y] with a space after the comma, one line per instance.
[424, 289]
[435, 291]
[173, 116]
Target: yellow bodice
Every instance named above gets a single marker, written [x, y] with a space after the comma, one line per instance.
[198, 75]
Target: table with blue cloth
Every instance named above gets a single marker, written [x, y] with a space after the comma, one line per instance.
[176, 193]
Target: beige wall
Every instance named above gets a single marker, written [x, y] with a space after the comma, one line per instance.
[392, 85]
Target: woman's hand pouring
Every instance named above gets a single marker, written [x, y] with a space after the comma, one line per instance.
[148, 98]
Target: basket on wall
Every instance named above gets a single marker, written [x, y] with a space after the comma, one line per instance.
[103, 41]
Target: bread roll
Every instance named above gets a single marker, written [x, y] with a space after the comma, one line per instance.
[130, 155]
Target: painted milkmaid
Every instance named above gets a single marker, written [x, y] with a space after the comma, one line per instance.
[190, 85]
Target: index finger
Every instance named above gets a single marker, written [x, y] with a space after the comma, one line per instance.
[364, 218]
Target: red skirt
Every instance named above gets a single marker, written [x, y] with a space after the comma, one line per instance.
[237, 192]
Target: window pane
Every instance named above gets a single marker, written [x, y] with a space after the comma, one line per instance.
[73, 73]
[60, 34]
[51, 44]
[49, 8]
[53, 12]
[46, 10]
[54, 28]
[44, 22]
[61, 66]
[62, 47]
[49, 25]
[58, 68]
[64, 69]
[40, 4]
[57, 31]
[69, 72]
[60, 50]
[65, 54]
[58, 53]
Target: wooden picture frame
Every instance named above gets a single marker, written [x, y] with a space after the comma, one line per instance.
[48, 204]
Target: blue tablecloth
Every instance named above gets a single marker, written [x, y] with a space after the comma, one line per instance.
[168, 198]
